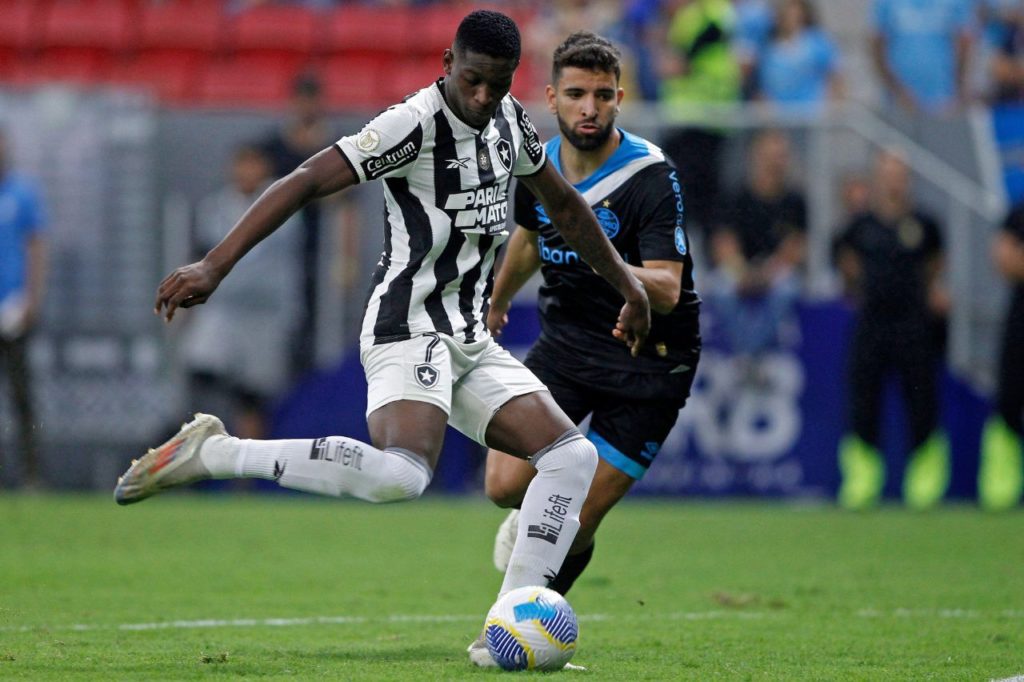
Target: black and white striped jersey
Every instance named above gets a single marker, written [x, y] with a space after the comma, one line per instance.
[446, 199]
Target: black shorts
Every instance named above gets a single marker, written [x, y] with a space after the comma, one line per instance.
[631, 413]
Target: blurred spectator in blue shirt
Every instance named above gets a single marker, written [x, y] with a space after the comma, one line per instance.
[1007, 61]
[22, 279]
[640, 19]
[755, 21]
[921, 48]
[995, 18]
[800, 65]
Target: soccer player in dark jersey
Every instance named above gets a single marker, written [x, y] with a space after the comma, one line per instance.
[1001, 476]
[891, 260]
[633, 401]
[447, 155]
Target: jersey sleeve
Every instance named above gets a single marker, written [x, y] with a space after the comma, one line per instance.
[531, 157]
[525, 208]
[386, 146]
[662, 230]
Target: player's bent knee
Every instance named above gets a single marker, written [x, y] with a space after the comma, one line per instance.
[571, 456]
[408, 477]
[501, 493]
[504, 488]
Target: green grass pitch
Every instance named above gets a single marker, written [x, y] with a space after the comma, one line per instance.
[288, 587]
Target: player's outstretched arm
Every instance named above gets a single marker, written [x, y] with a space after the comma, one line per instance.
[574, 220]
[522, 259]
[322, 174]
[663, 281]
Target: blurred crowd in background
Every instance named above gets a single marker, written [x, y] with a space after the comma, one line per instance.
[915, 59]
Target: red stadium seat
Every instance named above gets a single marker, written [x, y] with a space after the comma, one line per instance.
[288, 32]
[19, 25]
[369, 31]
[245, 81]
[183, 27]
[525, 87]
[100, 25]
[412, 74]
[172, 78]
[435, 27]
[83, 70]
[354, 83]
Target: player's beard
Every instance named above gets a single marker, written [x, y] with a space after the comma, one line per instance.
[585, 143]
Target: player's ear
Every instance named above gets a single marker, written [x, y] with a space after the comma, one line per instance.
[619, 94]
[446, 61]
[549, 92]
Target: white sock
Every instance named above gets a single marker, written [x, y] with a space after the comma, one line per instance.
[550, 513]
[337, 466]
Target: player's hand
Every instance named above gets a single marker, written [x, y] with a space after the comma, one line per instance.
[497, 318]
[185, 287]
[634, 323]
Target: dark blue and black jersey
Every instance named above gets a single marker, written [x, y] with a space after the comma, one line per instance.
[638, 200]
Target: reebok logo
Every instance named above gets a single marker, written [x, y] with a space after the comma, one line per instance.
[278, 470]
[549, 529]
[462, 162]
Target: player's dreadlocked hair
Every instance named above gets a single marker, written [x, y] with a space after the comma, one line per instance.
[586, 50]
[489, 33]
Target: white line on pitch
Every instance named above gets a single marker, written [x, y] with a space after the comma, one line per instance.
[951, 614]
[355, 620]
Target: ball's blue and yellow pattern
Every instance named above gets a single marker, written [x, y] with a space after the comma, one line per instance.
[531, 628]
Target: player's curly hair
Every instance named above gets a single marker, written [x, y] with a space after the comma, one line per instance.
[490, 33]
[586, 50]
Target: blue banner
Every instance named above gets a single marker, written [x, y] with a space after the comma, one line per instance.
[766, 430]
[1008, 124]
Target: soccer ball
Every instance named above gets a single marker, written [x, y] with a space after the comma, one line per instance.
[531, 628]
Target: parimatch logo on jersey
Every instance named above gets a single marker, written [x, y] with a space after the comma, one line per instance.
[482, 210]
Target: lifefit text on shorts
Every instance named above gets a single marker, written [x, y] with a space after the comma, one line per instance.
[481, 210]
[555, 514]
[339, 451]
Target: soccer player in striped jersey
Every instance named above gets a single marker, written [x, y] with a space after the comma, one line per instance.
[446, 156]
[632, 401]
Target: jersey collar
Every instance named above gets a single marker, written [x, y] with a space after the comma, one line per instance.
[630, 148]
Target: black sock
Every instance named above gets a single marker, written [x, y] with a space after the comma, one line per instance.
[572, 567]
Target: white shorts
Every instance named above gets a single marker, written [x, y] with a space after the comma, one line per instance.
[469, 381]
